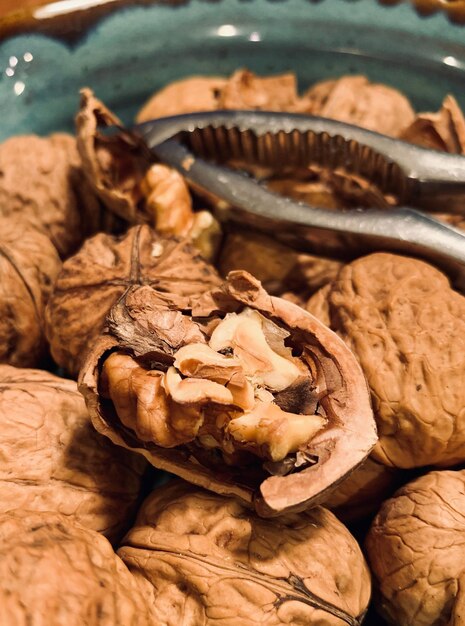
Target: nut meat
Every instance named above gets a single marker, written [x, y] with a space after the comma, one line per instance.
[250, 396]
[211, 561]
[54, 460]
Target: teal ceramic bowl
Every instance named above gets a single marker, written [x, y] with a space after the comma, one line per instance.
[135, 50]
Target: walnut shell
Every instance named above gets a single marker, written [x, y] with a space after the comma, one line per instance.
[105, 267]
[416, 551]
[196, 93]
[246, 90]
[444, 130]
[211, 561]
[41, 181]
[54, 460]
[153, 336]
[274, 264]
[242, 90]
[29, 265]
[355, 100]
[56, 572]
[115, 165]
[362, 493]
[406, 325]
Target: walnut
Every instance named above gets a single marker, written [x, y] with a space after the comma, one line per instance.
[168, 200]
[188, 95]
[406, 325]
[103, 270]
[416, 550]
[29, 265]
[246, 395]
[41, 181]
[169, 204]
[444, 130]
[246, 90]
[114, 165]
[317, 192]
[353, 99]
[120, 170]
[209, 560]
[362, 493]
[56, 572]
[242, 90]
[54, 460]
[277, 266]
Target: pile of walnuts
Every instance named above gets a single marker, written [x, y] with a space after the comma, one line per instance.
[287, 393]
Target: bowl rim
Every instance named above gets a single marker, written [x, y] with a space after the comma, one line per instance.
[67, 21]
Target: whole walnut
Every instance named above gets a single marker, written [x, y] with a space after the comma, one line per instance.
[41, 181]
[355, 100]
[362, 493]
[278, 267]
[54, 460]
[29, 265]
[406, 325]
[55, 572]
[242, 90]
[211, 561]
[195, 93]
[444, 130]
[417, 555]
[243, 393]
[103, 270]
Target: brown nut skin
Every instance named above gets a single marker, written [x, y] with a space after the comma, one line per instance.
[340, 447]
[213, 562]
[98, 275]
[54, 460]
[57, 573]
[416, 550]
[29, 265]
[41, 181]
[406, 325]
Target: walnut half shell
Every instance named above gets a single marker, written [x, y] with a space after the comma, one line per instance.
[251, 396]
